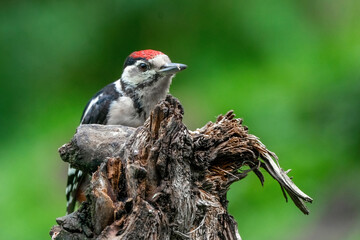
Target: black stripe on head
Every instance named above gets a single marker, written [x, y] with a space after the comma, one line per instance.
[149, 83]
[130, 92]
[130, 61]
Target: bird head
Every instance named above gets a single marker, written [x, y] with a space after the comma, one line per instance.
[148, 69]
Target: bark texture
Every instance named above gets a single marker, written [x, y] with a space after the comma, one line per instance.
[162, 181]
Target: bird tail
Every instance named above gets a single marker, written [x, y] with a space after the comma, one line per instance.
[73, 183]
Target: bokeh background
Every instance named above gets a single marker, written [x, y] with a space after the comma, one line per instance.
[290, 69]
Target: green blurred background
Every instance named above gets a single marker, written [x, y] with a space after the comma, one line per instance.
[291, 69]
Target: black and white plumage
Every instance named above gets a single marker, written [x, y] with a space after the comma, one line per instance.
[145, 81]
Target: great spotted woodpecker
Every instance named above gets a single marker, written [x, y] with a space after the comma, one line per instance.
[145, 81]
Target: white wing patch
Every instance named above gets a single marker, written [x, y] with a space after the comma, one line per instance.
[71, 171]
[118, 86]
[90, 105]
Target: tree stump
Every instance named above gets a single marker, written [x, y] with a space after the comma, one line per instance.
[162, 181]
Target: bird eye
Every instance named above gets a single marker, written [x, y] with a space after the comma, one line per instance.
[143, 67]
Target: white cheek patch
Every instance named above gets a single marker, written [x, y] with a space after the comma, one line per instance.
[132, 75]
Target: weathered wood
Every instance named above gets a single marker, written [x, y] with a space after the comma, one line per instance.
[162, 181]
[93, 143]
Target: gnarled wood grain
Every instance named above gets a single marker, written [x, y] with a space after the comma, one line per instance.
[162, 181]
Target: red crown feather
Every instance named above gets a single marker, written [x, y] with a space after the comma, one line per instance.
[147, 54]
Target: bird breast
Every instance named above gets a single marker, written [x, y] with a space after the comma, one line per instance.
[122, 112]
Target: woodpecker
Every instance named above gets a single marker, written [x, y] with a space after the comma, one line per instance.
[145, 80]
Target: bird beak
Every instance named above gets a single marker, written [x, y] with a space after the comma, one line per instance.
[172, 68]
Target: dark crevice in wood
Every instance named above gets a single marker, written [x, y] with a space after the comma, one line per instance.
[162, 181]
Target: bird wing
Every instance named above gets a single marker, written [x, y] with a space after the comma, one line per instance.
[95, 112]
[97, 108]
